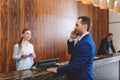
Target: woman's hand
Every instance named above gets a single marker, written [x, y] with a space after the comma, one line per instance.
[24, 55]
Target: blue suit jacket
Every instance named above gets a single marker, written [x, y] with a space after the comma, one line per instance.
[81, 61]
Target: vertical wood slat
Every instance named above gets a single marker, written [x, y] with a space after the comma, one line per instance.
[99, 21]
[0, 34]
[50, 22]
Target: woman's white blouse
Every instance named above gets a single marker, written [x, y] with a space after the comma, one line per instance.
[23, 63]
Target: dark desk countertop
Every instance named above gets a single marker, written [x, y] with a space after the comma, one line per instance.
[38, 74]
[42, 74]
[102, 59]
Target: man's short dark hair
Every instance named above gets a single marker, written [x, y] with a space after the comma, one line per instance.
[85, 20]
[109, 34]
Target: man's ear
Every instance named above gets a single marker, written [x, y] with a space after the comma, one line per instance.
[85, 25]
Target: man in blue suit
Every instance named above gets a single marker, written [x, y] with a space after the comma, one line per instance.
[82, 53]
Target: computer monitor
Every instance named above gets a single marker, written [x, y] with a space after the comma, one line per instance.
[47, 63]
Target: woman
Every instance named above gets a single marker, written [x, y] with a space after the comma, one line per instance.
[24, 51]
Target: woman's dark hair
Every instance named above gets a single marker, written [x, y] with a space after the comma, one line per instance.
[20, 42]
[85, 20]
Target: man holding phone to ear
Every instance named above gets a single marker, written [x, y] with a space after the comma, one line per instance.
[82, 53]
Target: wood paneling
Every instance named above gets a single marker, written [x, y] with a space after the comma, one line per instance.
[50, 21]
[100, 21]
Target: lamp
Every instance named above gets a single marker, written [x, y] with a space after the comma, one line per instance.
[103, 4]
[117, 6]
[78, 0]
[86, 1]
[111, 4]
[96, 2]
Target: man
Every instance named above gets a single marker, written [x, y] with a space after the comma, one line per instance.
[105, 44]
[82, 54]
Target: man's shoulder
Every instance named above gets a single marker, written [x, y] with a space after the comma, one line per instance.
[105, 39]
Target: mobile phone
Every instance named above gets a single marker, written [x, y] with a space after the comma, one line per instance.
[31, 55]
[75, 31]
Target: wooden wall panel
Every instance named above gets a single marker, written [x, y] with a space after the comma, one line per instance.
[50, 21]
[99, 21]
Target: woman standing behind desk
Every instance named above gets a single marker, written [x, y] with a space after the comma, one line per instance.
[24, 51]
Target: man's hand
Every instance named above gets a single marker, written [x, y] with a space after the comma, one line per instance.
[52, 69]
[73, 34]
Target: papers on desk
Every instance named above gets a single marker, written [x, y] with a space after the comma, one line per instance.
[96, 57]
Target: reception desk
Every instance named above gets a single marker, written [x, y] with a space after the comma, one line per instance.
[107, 68]
[104, 69]
[38, 74]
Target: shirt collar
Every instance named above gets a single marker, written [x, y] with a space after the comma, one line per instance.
[25, 43]
[109, 39]
[83, 35]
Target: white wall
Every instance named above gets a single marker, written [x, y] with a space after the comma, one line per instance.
[114, 27]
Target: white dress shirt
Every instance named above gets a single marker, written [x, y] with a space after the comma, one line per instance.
[23, 63]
